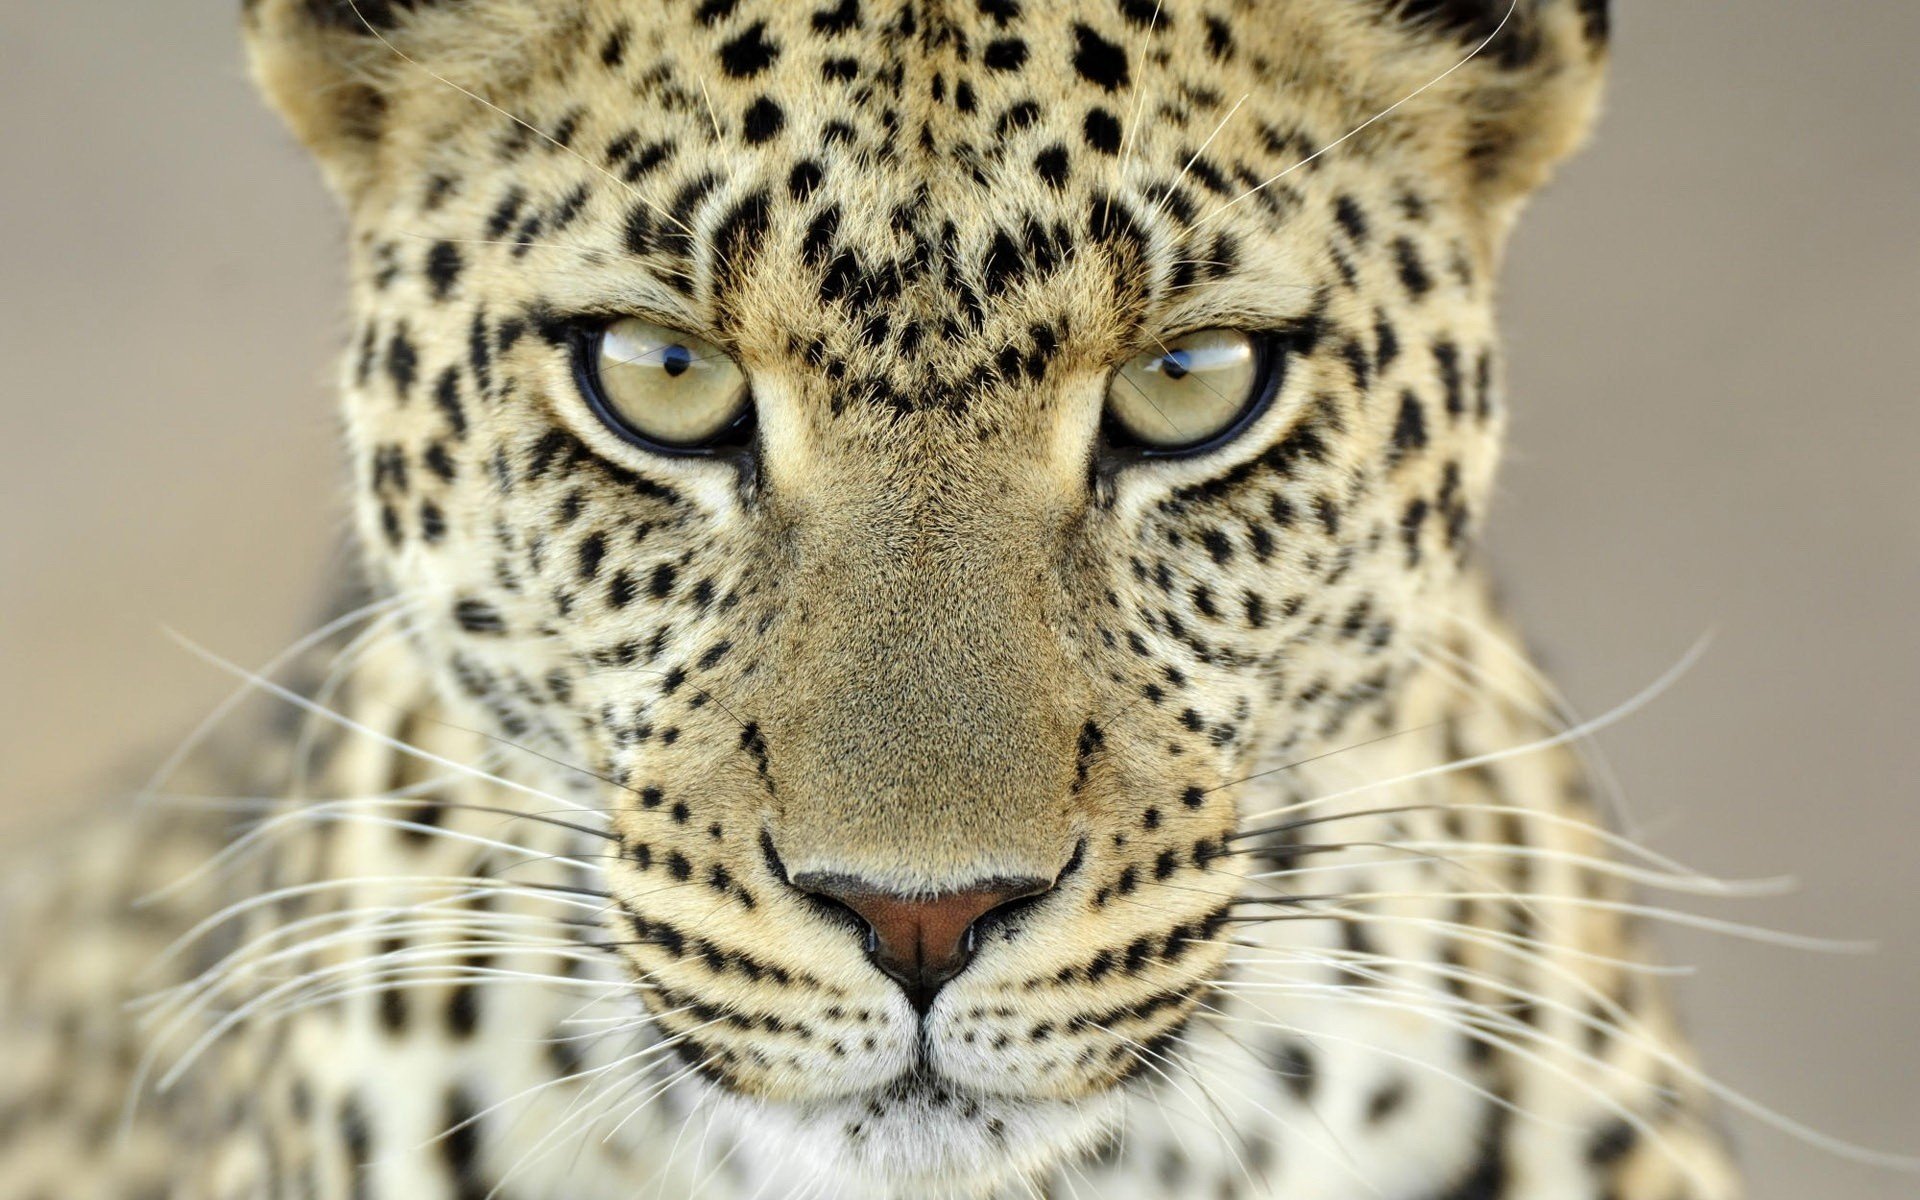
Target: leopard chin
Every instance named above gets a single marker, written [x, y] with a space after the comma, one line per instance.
[915, 1136]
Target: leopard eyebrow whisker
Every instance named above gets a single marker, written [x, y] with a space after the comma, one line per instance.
[1512, 7]
[1130, 131]
[1159, 205]
[658, 209]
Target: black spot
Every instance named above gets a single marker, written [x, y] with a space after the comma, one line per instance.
[506, 212]
[1005, 54]
[1596, 22]
[1219, 548]
[1003, 12]
[1017, 117]
[1098, 60]
[443, 268]
[593, 548]
[1219, 38]
[1386, 1100]
[1347, 211]
[613, 51]
[1413, 271]
[749, 53]
[355, 1135]
[1411, 522]
[838, 19]
[817, 246]
[1102, 131]
[1446, 356]
[763, 121]
[476, 616]
[1003, 265]
[1611, 1143]
[446, 397]
[1051, 165]
[403, 361]
[637, 232]
[460, 1146]
[1296, 1069]
[463, 1011]
[739, 232]
[804, 179]
[1409, 428]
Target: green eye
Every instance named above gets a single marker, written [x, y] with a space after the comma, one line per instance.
[1189, 393]
[662, 388]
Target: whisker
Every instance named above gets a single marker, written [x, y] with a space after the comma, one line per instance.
[1618, 713]
[636, 193]
[1754, 933]
[1357, 129]
[200, 732]
[346, 722]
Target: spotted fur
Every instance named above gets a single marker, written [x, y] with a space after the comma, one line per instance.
[1315, 930]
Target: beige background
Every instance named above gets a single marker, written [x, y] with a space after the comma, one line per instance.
[1712, 320]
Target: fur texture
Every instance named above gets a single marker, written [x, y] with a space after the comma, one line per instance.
[925, 631]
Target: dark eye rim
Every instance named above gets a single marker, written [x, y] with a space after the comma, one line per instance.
[584, 339]
[1271, 347]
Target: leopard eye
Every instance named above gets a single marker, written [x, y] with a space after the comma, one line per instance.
[1188, 394]
[661, 388]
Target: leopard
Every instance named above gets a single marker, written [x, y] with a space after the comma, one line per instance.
[919, 628]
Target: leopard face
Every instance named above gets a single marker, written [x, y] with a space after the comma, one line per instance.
[923, 658]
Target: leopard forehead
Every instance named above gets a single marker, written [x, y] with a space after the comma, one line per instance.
[920, 636]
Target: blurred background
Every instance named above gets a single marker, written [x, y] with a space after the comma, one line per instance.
[1713, 320]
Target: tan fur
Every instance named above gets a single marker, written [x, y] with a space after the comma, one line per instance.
[928, 631]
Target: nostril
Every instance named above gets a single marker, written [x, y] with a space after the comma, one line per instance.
[920, 941]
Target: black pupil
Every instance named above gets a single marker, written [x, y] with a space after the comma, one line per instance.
[675, 360]
[1174, 365]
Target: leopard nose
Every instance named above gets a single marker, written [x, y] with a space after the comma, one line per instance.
[921, 942]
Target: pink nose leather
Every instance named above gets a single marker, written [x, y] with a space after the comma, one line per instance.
[921, 943]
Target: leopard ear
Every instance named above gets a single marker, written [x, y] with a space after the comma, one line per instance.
[1527, 96]
[326, 66]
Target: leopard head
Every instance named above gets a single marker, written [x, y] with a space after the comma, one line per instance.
[917, 458]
